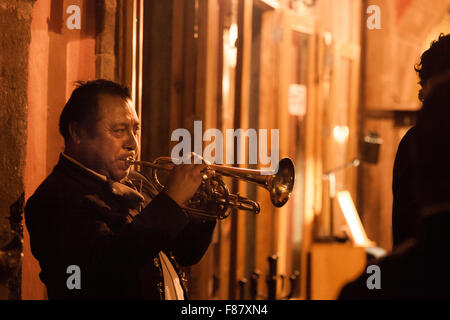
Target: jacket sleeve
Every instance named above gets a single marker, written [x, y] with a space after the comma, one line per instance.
[193, 241]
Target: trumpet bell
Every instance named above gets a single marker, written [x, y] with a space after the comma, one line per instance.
[281, 184]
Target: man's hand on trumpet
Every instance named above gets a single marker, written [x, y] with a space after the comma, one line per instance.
[184, 180]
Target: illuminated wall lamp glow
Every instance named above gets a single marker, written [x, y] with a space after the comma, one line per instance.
[353, 221]
[230, 46]
[340, 133]
[233, 35]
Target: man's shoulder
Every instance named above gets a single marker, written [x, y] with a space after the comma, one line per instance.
[69, 179]
[50, 187]
[60, 187]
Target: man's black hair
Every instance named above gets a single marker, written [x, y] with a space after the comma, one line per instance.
[82, 106]
[434, 61]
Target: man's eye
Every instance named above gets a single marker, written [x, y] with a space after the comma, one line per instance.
[119, 131]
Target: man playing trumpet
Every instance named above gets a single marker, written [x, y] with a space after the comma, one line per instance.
[90, 216]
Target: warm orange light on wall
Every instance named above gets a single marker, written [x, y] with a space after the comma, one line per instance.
[353, 221]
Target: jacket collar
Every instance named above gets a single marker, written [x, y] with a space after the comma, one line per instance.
[98, 175]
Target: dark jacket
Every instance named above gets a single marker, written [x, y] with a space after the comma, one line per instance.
[405, 207]
[74, 219]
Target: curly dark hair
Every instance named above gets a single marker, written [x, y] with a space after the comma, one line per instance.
[82, 107]
[434, 61]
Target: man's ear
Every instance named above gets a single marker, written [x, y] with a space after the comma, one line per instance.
[75, 132]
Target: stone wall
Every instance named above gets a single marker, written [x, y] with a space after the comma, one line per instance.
[15, 21]
[106, 40]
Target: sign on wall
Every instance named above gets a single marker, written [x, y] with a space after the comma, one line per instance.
[297, 99]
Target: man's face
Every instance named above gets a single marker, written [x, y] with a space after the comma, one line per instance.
[113, 138]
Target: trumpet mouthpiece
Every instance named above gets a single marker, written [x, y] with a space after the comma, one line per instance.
[130, 160]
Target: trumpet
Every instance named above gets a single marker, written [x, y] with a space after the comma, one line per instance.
[213, 199]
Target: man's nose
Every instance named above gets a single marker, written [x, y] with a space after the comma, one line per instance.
[132, 142]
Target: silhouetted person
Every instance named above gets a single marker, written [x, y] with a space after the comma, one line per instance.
[419, 268]
[434, 65]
